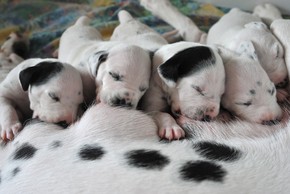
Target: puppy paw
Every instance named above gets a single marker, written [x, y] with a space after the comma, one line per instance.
[267, 12]
[174, 132]
[9, 132]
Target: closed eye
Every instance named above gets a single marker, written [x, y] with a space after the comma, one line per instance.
[116, 76]
[198, 89]
[244, 103]
[53, 96]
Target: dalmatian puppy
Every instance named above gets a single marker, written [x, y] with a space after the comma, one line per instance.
[46, 89]
[232, 31]
[89, 155]
[187, 79]
[249, 93]
[113, 72]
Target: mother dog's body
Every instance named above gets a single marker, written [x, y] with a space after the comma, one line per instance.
[122, 154]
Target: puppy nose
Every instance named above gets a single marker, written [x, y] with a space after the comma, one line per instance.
[121, 102]
[206, 118]
[270, 122]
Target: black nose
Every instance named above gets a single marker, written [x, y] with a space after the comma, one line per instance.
[62, 124]
[121, 102]
[270, 122]
[206, 118]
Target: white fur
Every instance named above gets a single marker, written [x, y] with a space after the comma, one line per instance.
[98, 61]
[263, 167]
[180, 96]
[18, 105]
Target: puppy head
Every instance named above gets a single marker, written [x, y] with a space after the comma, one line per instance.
[194, 79]
[123, 75]
[55, 91]
[249, 92]
[257, 37]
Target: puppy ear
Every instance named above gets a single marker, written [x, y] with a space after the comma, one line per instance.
[247, 48]
[95, 60]
[185, 63]
[257, 25]
[39, 73]
[225, 53]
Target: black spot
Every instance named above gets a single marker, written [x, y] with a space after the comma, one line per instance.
[25, 151]
[259, 83]
[216, 151]
[91, 152]
[187, 62]
[56, 144]
[271, 91]
[149, 159]
[39, 74]
[15, 171]
[202, 170]
[253, 92]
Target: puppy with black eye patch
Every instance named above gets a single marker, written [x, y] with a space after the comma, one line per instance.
[188, 79]
[113, 72]
[46, 89]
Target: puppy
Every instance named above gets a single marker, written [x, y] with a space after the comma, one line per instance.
[233, 30]
[249, 93]
[42, 88]
[113, 72]
[187, 79]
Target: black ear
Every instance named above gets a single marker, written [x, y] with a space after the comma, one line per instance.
[96, 59]
[39, 73]
[186, 62]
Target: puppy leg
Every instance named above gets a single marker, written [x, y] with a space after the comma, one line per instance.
[9, 120]
[167, 12]
[167, 126]
[267, 12]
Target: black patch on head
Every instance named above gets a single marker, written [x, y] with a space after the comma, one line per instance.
[216, 151]
[202, 170]
[15, 171]
[187, 62]
[39, 74]
[253, 92]
[91, 152]
[56, 144]
[26, 151]
[148, 159]
[21, 49]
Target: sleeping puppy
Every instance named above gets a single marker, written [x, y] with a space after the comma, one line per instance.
[187, 79]
[249, 93]
[114, 72]
[232, 31]
[46, 89]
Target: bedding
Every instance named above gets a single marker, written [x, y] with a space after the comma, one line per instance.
[105, 152]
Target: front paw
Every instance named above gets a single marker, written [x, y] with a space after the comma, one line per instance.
[10, 131]
[174, 132]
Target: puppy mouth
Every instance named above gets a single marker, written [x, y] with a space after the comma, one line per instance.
[120, 102]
